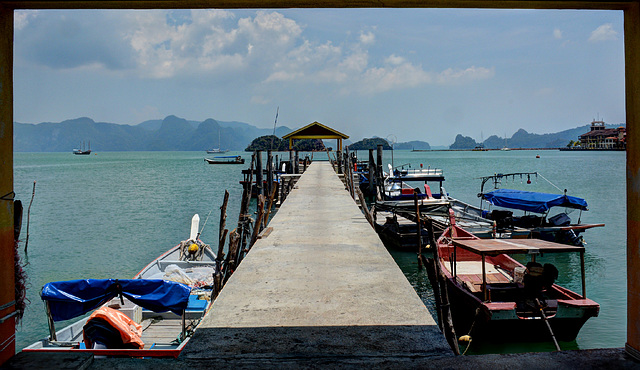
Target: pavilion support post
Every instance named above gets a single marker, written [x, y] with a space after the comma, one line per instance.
[632, 86]
[7, 277]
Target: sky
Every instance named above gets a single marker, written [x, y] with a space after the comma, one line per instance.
[400, 74]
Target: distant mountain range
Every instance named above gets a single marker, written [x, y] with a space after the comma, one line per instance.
[524, 139]
[175, 134]
[169, 134]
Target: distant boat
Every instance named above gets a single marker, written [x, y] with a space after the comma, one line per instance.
[83, 151]
[217, 150]
[228, 159]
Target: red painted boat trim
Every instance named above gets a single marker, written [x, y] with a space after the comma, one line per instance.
[115, 352]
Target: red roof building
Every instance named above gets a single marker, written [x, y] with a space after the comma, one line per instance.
[601, 137]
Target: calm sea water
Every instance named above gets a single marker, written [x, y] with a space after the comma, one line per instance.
[109, 214]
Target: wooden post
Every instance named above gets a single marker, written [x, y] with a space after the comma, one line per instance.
[269, 171]
[223, 218]
[290, 169]
[230, 261]
[632, 88]
[379, 176]
[7, 274]
[259, 182]
[418, 227]
[243, 219]
[372, 172]
[339, 160]
[365, 209]
[257, 225]
[218, 275]
[274, 190]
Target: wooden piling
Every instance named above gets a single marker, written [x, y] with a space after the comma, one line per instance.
[259, 182]
[274, 190]
[296, 162]
[257, 226]
[379, 176]
[418, 227]
[230, 261]
[269, 171]
[372, 172]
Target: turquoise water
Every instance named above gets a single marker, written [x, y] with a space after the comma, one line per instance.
[109, 214]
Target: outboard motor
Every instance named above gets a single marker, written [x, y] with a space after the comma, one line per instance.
[503, 219]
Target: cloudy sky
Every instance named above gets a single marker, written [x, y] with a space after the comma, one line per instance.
[416, 74]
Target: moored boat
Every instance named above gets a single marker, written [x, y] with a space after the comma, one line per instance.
[227, 159]
[82, 150]
[152, 315]
[541, 215]
[493, 294]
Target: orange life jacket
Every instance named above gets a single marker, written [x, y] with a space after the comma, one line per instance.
[130, 331]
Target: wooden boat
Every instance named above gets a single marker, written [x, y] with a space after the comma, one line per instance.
[493, 294]
[227, 159]
[164, 304]
[536, 220]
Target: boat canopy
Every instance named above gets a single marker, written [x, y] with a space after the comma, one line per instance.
[227, 156]
[532, 201]
[69, 299]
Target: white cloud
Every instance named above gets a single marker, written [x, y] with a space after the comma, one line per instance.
[265, 47]
[367, 38]
[557, 34]
[451, 76]
[604, 33]
[21, 18]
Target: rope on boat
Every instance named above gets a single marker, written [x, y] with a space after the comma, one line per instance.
[33, 193]
[544, 317]
[203, 225]
[468, 338]
[552, 184]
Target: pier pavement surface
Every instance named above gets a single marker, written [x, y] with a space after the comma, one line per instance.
[320, 285]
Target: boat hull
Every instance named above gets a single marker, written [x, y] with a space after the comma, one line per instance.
[492, 322]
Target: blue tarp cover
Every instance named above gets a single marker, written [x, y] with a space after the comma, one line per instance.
[69, 299]
[532, 201]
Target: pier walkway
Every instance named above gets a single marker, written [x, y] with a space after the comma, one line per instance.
[320, 288]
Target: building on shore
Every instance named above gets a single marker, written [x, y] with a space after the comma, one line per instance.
[601, 137]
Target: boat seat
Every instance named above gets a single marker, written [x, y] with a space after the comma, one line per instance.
[196, 304]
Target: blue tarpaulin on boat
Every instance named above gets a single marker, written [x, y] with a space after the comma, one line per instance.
[69, 299]
[532, 201]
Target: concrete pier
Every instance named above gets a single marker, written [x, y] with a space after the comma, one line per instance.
[320, 286]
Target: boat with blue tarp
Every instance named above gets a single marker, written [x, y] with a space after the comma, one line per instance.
[152, 315]
[543, 215]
